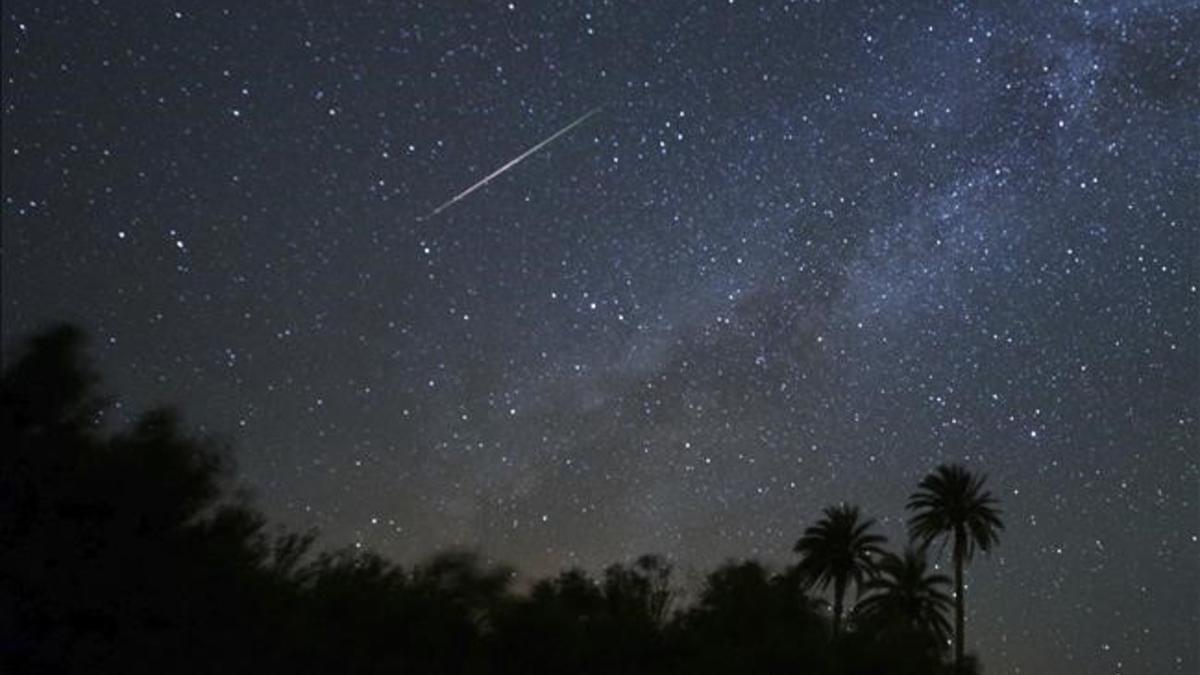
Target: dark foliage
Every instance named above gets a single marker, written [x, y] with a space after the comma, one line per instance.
[840, 550]
[905, 613]
[750, 620]
[952, 503]
[129, 553]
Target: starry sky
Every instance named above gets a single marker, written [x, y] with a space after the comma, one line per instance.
[803, 253]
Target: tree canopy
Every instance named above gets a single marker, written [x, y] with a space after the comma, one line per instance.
[130, 551]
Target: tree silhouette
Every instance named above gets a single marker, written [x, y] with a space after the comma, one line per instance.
[907, 601]
[554, 629]
[573, 623]
[839, 549]
[51, 388]
[747, 619]
[123, 552]
[950, 502]
[127, 550]
[641, 591]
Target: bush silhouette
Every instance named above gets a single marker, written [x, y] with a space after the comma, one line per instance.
[129, 551]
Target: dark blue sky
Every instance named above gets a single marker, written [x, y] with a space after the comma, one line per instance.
[804, 253]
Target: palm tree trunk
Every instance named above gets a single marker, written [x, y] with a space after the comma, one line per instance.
[959, 624]
[839, 590]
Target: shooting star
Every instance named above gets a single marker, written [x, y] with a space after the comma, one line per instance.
[510, 164]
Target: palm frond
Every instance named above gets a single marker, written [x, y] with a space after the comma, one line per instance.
[952, 498]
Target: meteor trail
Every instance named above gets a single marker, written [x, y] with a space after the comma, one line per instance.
[510, 164]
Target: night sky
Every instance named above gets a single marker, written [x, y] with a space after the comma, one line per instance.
[802, 254]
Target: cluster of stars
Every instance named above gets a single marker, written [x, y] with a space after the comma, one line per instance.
[803, 254]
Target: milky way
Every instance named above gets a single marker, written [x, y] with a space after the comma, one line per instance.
[805, 253]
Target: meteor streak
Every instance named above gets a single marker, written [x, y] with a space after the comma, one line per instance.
[510, 164]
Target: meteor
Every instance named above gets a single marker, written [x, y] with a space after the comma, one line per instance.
[510, 164]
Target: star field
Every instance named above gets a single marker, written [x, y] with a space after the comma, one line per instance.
[803, 253]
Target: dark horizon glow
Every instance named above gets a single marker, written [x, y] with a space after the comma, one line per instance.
[807, 252]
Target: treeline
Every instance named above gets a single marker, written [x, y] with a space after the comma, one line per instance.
[128, 552]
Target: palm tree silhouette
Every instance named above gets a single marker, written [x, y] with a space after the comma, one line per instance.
[951, 502]
[839, 549]
[907, 596]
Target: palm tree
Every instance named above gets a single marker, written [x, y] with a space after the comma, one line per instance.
[951, 503]
[907, 596]
[839, 549]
